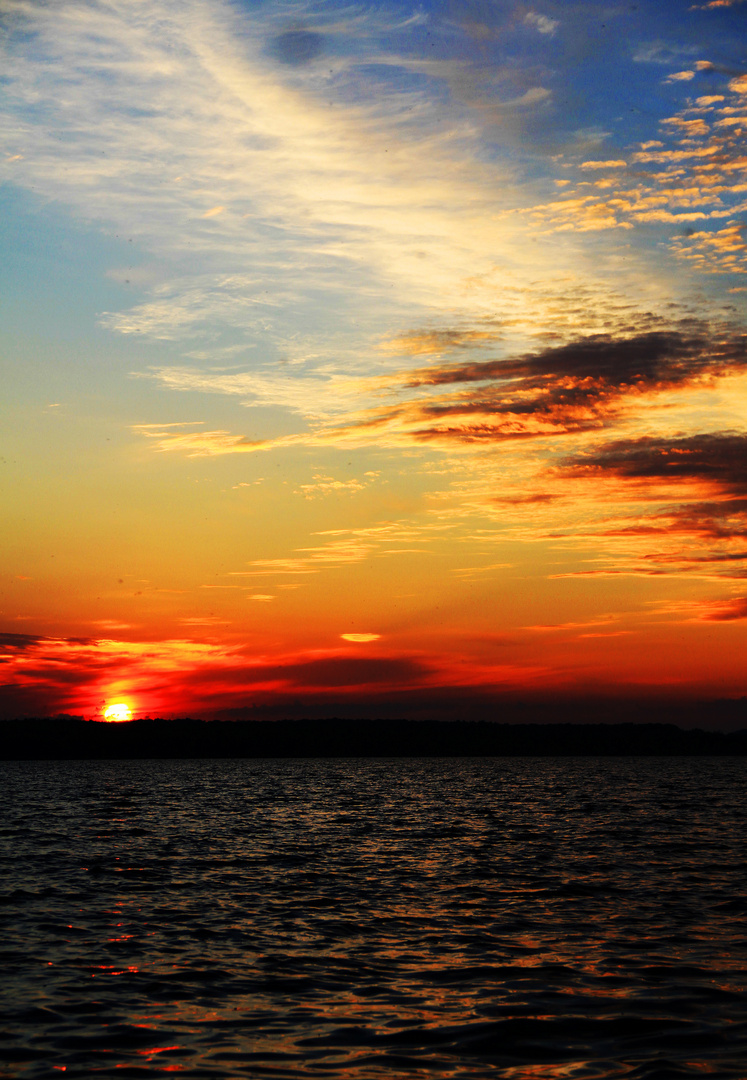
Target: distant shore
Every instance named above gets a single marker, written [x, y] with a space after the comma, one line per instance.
[66, 738]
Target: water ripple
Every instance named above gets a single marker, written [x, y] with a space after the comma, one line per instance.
[532, 919]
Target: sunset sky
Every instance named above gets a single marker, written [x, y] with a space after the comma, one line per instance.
[359, 355]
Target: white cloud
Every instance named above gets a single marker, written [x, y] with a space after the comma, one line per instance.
[541, 22]
[274, 201]
[318, 395]
[168, 123]
[279, 208]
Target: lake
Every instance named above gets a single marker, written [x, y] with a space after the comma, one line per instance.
[526, 918]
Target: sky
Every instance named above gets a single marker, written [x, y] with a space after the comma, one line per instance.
[371, 358]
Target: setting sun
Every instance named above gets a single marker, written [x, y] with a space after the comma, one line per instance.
[118, 712]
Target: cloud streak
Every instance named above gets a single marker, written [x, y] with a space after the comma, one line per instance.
[585, 385]
[717, 461]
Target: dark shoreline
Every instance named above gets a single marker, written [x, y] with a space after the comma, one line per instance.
[68, 739]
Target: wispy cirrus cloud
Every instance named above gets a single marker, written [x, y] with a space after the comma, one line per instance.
[340, 547]
[437, 342]
[178, 126]
[173, 437]
[274, 193]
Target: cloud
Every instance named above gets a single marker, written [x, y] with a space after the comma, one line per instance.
[11, 644]
[341, 547]
[527, 500]
[690, 498]
[316, 395]
[653, 505]
[615, 164]
[196, 443]
[727, 610]
[680, 76]
[274, 189]
[693, 173]
[722, 251]
[719, 461]
[574, 387]
[328, 485]
[541, 23]
[731, 609]
[353, 672]
[658, 358]
[437, 342]
[77, 674]
[273, 197]
[52, 675]
[176, 127]
[585, 385]
[663, 53]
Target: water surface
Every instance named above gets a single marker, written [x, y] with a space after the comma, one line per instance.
[527, 918]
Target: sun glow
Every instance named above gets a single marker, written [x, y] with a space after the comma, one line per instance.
[117, 712]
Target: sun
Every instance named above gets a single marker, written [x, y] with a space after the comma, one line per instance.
[117, 712]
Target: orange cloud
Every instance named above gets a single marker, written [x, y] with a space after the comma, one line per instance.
[614, 164]
[695, 172]
[719, 461]
[435, 342]
[720, 252]
[196, 443]
[693, 507]
[727, 610]
[570, 388]
[51, 675]
[584, 385]
[79, 674]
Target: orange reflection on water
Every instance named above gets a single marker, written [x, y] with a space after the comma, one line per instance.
[109, 969]
[161, 1068]
[547, 1072]
[158, 1049]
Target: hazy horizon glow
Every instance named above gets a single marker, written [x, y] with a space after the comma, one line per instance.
[377, 353]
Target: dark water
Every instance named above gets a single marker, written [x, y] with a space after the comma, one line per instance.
[523, 918]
